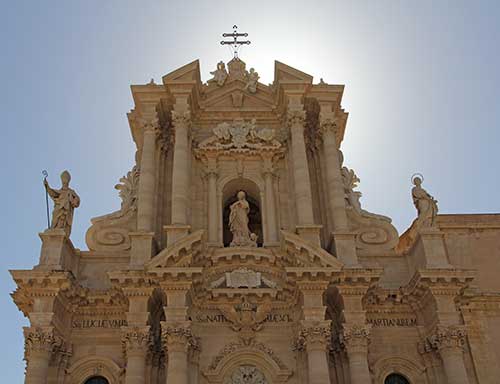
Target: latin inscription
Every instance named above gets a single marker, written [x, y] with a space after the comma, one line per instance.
[219, 318]
[397, 322]
[99, 323]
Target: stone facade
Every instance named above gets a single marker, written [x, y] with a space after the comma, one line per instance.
[315, 290]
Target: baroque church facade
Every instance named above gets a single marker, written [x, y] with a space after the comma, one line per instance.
[241, 255]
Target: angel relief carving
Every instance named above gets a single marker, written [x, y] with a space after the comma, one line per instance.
[240, 134]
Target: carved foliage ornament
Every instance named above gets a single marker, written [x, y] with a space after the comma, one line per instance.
[136, 339]
[355, 337]
[295, 117]
[316, 335]
[181, 118]
[452, 337]
[39, 340]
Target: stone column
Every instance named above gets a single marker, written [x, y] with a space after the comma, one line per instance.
[145, 203]
[315, 337]
[177, 340]
[213, 216]
[272, 225]
[39, 345]
[142, 240]
[355, 339]
[345, 248]
[136, 344]
[449, 342]
[303, 195]
[181, 174]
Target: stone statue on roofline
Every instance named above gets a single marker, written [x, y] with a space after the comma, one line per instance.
[220, 74]
[238, 223]
[252, 78]
[426, 205]
[65, 202]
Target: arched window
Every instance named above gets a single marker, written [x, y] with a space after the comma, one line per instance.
[97, 380]
[395, 378]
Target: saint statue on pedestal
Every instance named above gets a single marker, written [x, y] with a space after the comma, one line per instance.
[220, 74]
[65, 202]
[426, 205]
[238, 223]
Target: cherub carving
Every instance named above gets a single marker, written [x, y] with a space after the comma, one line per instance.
[252, 78]
[220, 74]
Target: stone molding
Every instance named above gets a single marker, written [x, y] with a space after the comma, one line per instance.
[89, 366]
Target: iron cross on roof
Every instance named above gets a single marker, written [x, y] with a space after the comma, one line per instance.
[235, 43]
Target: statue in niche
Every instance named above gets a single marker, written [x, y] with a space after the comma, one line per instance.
[252, 79]
[220, 74]
[65, 202]
[426, 205]
[238, 223]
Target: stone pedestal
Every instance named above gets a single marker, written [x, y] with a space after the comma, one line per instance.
[57, 251]
[310, 233]
[345, 248]
[142, 248]
[430, 251]
[176, 232]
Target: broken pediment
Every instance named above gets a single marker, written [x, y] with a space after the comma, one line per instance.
[284, 73]
[188, 73]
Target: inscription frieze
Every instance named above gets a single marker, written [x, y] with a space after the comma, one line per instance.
[98, 323]
[393, 322]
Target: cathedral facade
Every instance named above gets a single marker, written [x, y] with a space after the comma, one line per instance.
[241, 255]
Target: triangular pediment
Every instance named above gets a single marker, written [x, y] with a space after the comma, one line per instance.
[234, 95]
[284, 73]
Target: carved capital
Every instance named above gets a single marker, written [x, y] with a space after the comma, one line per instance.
[328, 123]
[181, 118]
[178, 337]
[446, 338]
[295, 117]
[152, 126]
[40, 341]
[136, 340]
[314, 336]
[355, 337]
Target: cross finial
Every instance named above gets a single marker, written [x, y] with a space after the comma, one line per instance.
[235, 43]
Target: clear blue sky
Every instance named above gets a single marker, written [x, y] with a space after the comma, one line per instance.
[422, 88]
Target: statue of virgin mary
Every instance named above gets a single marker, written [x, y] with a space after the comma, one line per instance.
[238, 223]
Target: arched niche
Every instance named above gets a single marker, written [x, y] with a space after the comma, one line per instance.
[410, 370]
[89, 367]
[254, 198]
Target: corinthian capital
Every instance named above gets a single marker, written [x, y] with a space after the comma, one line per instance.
[177, 336]
[450, 337]
[315, 335]
[40, 340]
[295, 117]
[181, 118]
[136, 339]
[355, 337]
[328, 122]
